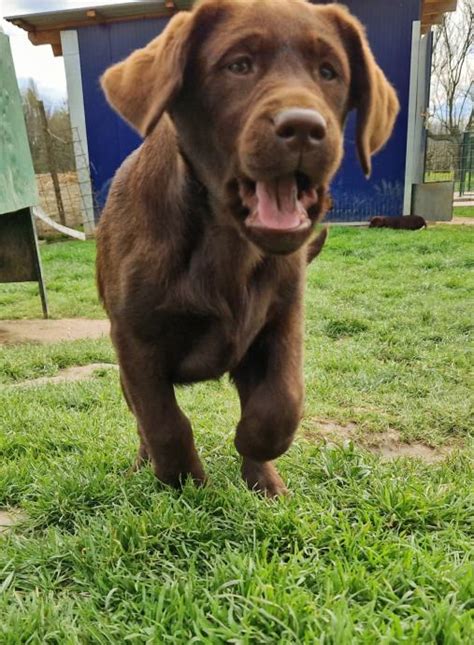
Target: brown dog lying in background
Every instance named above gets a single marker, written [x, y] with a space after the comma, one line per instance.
[409, 222]
[203, 242]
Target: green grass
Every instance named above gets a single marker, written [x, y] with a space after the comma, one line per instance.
[442, 176]
[446, 176]
[70, 282]
[364, 551]
[463, 211]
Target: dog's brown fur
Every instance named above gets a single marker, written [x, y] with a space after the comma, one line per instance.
[193, 292]
[407, 222]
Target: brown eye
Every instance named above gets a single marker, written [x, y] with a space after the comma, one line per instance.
[241, 66]
[327, 72]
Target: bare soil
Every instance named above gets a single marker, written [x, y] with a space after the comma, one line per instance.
[468, 221]
[8, 519]
[68, 375]
[388, 445]
[51, 331]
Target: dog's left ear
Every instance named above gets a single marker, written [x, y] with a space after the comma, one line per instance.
[371, 94]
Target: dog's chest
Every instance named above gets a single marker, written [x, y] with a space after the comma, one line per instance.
[207, 346]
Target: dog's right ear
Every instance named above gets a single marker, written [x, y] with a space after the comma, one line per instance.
[140, 87]
[371, 94]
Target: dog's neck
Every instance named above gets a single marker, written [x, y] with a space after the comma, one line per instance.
[208, 219]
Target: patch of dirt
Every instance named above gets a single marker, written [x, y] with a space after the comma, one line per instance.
[51, 331]
[9, 519]
[468, 221]
[387, 445]
[68, 375]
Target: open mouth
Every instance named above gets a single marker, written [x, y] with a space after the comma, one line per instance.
[279, 205]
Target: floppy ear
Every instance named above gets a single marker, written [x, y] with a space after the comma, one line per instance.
[141, 87]
[370, 93]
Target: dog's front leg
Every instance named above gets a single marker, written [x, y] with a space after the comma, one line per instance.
[270, 385]
[165, 432]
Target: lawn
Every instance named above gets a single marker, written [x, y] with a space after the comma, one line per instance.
[447, 176]
[463, 211]
[70, 282]
[364, 550]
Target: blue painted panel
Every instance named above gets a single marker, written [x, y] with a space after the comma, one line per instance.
[110, 140]
[389, 27]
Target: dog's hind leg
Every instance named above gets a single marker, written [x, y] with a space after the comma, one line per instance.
[142, 457]
[167, 438]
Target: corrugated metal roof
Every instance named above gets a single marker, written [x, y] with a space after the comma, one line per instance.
[92, 13]
[432, 12]
[44, 27]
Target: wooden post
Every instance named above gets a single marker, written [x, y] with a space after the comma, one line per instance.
[52, 163]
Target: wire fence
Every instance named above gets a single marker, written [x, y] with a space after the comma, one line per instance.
[62, 168]
[452, 160]
[67, 196]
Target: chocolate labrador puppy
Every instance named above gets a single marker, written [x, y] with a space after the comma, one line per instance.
[407, 222]
[204, 240]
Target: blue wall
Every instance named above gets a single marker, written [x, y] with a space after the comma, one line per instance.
[389, 27]
[110, 140]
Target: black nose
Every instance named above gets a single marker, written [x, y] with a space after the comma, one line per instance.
[300, 128]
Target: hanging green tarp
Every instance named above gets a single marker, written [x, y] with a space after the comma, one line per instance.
[17, 177]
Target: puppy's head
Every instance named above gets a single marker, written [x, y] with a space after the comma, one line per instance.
[259, 91]
[377, 222]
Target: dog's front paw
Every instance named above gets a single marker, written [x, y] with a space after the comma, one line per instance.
[175, 473]
[263, 478]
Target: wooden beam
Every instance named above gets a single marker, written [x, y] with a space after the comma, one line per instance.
[57, 50]
[433, 11]
[95, 15]
[440, 5]
[48, 37]
[434, 18]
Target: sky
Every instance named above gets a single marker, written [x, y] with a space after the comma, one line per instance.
[38, 62]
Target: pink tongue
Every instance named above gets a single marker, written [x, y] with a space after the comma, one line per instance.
[277, 204]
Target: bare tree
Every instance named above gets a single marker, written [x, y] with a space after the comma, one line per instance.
[452, 89]
[450, 114]
[59, 129]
